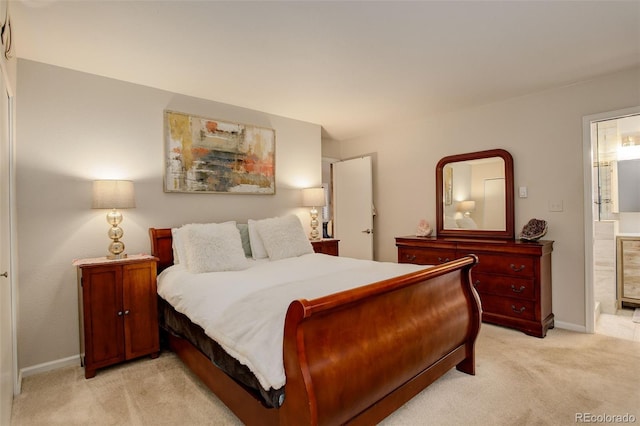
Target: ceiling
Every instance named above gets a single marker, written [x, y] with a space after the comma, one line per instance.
[350, 66]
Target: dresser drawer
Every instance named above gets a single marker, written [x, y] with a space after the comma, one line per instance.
[424, 256]
[502, 285]
[517, 266]
[507, 306]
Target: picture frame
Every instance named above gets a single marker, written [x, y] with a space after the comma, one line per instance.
[448, 185]
[207, 155]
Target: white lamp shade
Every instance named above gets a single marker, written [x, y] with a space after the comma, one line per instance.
[313, 197]
[113, 194]
[466, 206]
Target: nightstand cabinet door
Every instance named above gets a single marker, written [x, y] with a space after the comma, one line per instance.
[103, 319]
[140, 305]
[119, 315]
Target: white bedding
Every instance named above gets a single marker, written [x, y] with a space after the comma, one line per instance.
[244, 311]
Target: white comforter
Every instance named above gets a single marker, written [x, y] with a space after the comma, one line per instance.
[244, 311]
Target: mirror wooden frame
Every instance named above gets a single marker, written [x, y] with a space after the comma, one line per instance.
[508, 232]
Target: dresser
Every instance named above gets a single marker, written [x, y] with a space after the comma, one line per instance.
[512, 277]
[118, 310]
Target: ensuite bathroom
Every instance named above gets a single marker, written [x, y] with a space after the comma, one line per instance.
[616, 213]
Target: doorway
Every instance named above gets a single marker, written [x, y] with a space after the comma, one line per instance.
[608, 138]
[353, 207]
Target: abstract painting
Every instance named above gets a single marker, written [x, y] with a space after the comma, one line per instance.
[209, 155]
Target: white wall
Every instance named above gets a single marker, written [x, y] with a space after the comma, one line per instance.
[74, 127]
[542, 131]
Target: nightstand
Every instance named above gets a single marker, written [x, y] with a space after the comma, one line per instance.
[118, 310]
[328, 246]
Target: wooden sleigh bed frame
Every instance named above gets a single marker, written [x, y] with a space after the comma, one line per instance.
[356, 356]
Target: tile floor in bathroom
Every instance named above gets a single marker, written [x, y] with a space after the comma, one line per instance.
[619, 325]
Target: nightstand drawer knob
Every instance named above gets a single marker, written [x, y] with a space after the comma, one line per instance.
[119, 313]
[517, 290]
[126, 312]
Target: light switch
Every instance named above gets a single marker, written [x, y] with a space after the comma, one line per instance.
[523, 192]
[555, 206]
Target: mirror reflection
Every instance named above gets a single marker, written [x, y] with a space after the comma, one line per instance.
[474, 195]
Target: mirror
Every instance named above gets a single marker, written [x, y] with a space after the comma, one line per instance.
[474, 195]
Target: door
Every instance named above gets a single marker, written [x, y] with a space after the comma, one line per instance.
[103, 316]
[494, 204]
[353, 207]
[141, 309]
[6, 301]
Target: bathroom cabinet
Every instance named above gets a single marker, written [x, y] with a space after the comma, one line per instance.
[628, 269]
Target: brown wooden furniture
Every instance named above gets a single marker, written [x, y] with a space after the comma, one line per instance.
[513, 278]
[118, 311]
[329, 246]
[358, 355]
[628, 270]
[453, 187]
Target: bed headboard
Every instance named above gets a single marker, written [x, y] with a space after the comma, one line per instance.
[162, 247]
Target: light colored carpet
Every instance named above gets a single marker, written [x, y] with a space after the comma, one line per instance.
[636, 315]
[520, 380]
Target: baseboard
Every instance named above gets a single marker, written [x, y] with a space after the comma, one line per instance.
[570, 326]
[48, 366]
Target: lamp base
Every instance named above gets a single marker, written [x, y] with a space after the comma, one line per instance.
[315, 234]
[117, 256]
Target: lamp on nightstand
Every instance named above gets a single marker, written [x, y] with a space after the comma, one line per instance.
[466, 207]
[114, 195]
[313, 197]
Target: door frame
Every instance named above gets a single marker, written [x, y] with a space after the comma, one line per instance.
[587, 164]
[12, 211]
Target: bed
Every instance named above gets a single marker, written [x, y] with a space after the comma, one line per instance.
[353, 356]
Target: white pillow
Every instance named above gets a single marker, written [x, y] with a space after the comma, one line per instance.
[213, 247]
[466, 223]
[257, 248]
[284, 237]
[178, 244]
[450, 223]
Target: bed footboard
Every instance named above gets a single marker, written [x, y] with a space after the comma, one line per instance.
[356, 356]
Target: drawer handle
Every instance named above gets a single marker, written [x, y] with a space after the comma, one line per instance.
[410, 257]
[517, 290]
[119, 313]
[517, 311]
[126, 312]
[477, 283]
[516, 268]
[446, 259]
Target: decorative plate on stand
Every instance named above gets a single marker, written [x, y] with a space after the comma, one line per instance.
[534, 230]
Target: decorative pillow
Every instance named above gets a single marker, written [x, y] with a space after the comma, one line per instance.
[177, 242]
[257, 248]
[213, 247]
[466, 223]
[244, 236]
[450, 223]
[284, 237]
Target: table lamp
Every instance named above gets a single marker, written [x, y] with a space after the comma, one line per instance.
[114, 195]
